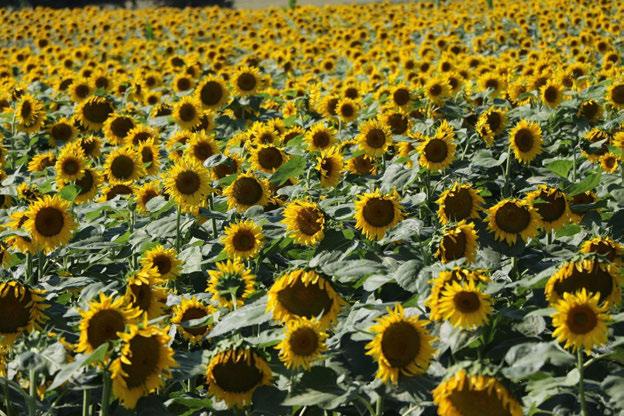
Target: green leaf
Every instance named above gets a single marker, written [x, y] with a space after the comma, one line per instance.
[560, 167]
[291, 169]
[252, 314]
[69, 193]
[587, 184]
[72, 369]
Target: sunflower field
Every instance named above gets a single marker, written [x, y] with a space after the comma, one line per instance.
[388, 209]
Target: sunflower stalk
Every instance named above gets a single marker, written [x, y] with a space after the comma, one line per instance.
[29, 270]
[7, 399]
[106, 393]
[507, 171]
[177, 240]
[581, 383]
[86, 402]
[379, 406]
[213, 219]
[41, 266]
[32, 390]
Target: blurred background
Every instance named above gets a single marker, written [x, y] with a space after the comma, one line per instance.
[247, 4]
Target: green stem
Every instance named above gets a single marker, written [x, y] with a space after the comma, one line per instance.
[507, 171]
[32, 390]
[214, 220]
[86, 402]
[40, 263]
[106, 392]
[177, 241]
[7, 399]
[379, 406]
[581, 385]
[29, 270]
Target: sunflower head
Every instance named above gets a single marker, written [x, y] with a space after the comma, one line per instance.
[320, 137]
[187, 112]
[144, 193]
[610, 249]
[459, 202]
[376, 213]
[93, 112]
[164, 261]
[70, 163]
[303, 343]
[304, 221]
[188, 183]
[143, 293]
[438, 152]
[191, 309]
[268, 158]
[243, 239]
[123, 165]
[246, 191]
[615, 94]
[247, 81]
[375, 137]
[330, 164]
[212, 93]
[552, 206]
[594, 276]
[22, 308]
[347, 109]
[231, 283]
[402, 345]
[513, 218]
[458, 242]
[526, 140]
[50, 223]
[465, 305]
[117, 128]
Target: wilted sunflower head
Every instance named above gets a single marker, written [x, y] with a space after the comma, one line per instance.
[464, 394]
[594, 276]
[402, 345]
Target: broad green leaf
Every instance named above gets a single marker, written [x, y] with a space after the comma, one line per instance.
[294, 168]
[560, 167]
[587, 184]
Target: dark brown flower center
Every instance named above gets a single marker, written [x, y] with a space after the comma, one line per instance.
[581, 319]
[15, 310]
[103, 327]
[617, 94]
[122, 167]
[191, 314]
[553, 207]
[512, 218]
[246, 82]
[49, 221]
[304, 341]
[376, 138]
[71, 167]
[436, 150]
[211, 93]
[458, 205]
[244, 240]
[120, 126]
[401, 96]
[239, 376]
[378, 212]
[594, 280]
[466, 302]
[524, 140]
[305, 301]
[188, 182]
[400, 344]
[270, 158]
[454, 246]
[187, 112]
[247, 191]
[143, 361]
[308, 221]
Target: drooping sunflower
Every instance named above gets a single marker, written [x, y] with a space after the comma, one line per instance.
[21, 308]
[579, 205]
[268, 158]
[143, 292]
[123, 165]
[243, 239]
[230, 166]
[590, 110]
[93, 112]
[247, 81]
[41, 161]
[231, 283]
[186, 113]
[464, 394]
[200, 147]
[144, 193]
[164, 261]
[188, 183]
[50, 223]
[234, 375]
[402, 345]
[597, 277]
[458, 242]
[604, 246]
[246, 191]
[304, 221]
[465, 305]
[493, 120]
[144, 363]
[437, 152]
[191, 309]
[70, 163]
[301, 293]
[101, 322]
[142, 133]
[376, 213]
[117, 127]
[580, 321]
[459, 202]
[513, 218]
[212, 93]
[29, 114]
[329, 165]
[374, 138]
[526, 140]
[303, 343]
[552, 206]
[149, 152]
[111, 191]
[91, 146]
[615, 94]
[320, 137]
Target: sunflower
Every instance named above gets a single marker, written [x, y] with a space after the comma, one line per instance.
[445, 279]
[437, 89]
[304, 222]
[145, 361]
[29, 114]
[28, 192]
[459, 202]
[117, 127]
[526, 140]
[490, 124]
[123, 165]
[590, 110]
[41, 161]
[376, 213]
[347, 109]
[615, 94]
[191, 309]
[437, 152]
[231, 283]
[188, 183]
[149, 152]
[246, 191]
[492, 83]
[200, 147]
[50, 223]
[21, 243]
[234, 375]
[303, 343]
[212, 93]
[62, 131]
[609, 162]
[396, 120]
[144, 193]
[70, 163]
[400, 96]
[143, 293]
[80, 90]
[554, 211]
[164, 261]
[87, 185]
[362, 165]
[247, 81]
[268, 158]
[464, 394]
[513, 218]
[402, 345]
[578, 205]
[186, 113]
[230, 166]
[111, 191]
[551, 94]
[140, 134]
[21, 309]
[465, 305]
[243, 239]
[301, 293]
[604, 246]
[320, 137]
[597, 277]
[93, 112]
[103, 320]
[91, 146]
[580, 321]
[329, 165]
[458, 242]
[374, 138]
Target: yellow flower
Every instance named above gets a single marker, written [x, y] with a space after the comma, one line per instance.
[191, 309]
[123, 165]
[615, 94]
[200, 147]
[22, 309]
[117, 128]
[268, 158]
[526, 140]
[164, 261]
[212, 93]
[604, 246]
[347, 109]
[93, 112]
[464, 305]
[551, 94]
[186, 113]
[554, 211]
[374, 138]
[231, 283]
[402, 345]
[597, 277]
[320, 137]
[458, 242]
[71, 163]
[145, 193]
[303, 343]
[143, 293]
[247, 81]
[40, 161]
[513, 218]
[376, 213]
[188, 183]
[50, 223]
[29, 114]
[246, 191]
[438, 152]
[304, 221]
[444, 280]
[329, 165]
[243, 239]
